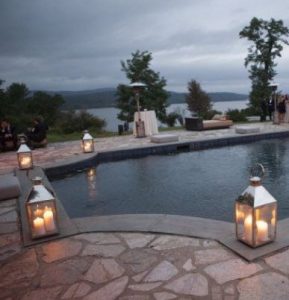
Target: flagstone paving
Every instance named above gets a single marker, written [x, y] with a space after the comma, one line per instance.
[133, 266]
[128, 266]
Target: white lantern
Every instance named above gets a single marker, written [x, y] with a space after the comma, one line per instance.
[87, 142]
[256, 213]
[24, 156]
[41, 211]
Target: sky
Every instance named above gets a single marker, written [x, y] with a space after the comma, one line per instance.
[78, 44]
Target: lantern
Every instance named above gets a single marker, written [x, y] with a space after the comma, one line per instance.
[256, 212]
[87, 142]
[41, 211]
[24, 156]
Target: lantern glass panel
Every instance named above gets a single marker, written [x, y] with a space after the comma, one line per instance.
[25, 160]
[265, 224]
[244, 222]
[88, 146]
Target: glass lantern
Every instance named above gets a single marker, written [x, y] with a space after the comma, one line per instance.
[256, 213]
[87, 142]
[24, 156]
[41, 211]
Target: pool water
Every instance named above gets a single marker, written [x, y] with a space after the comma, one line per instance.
[201, 184]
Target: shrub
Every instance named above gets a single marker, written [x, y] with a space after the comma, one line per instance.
[237, 115]
[209, 114]
[72, 121]
[171, 119]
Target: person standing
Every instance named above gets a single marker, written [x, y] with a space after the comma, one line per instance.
[8, 138]
[286, 117]
[281, 108]
[271, 107]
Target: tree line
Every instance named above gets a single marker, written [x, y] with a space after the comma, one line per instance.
[20, 107]
[266, 37]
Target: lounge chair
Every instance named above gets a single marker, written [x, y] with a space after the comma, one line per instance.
[197, 124]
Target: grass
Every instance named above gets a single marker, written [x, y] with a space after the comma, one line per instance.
[54, 136]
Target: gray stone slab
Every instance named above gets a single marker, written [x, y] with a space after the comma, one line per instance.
[9, 187]
[181, 225]
[251, 254]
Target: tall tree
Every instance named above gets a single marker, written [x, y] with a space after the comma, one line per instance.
[198, 100]
[267, 38]
[154, 97]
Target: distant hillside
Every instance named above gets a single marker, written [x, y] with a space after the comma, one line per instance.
[106, 98]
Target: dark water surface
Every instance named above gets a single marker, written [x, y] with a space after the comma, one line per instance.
[202, 184]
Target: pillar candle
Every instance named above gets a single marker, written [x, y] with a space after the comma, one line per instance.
[38, 224]
[262, 231]
[49, 220]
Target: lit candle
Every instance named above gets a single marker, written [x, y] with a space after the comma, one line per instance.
[49, 220]
[26, 161]
[262, 230]
[248, 228]
[39, 228]
[239, 216]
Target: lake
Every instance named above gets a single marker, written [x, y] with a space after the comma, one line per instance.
[109, 114]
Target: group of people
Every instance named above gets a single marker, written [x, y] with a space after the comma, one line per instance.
[281, 105]
[9, 138]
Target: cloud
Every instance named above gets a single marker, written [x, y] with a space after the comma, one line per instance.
[78, 44]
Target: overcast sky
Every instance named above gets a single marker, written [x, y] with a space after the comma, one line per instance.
[78, 44]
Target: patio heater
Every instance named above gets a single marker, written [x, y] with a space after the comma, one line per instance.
[139, 124]
[256, 212]
[274, 87]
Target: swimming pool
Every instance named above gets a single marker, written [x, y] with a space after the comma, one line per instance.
[201, 183]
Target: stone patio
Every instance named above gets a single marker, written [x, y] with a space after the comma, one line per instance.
[129, 265]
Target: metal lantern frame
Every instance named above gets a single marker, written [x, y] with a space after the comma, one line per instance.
[256, 215]
[24, 157]
[87, 142]
[139, 124]
[41, 211]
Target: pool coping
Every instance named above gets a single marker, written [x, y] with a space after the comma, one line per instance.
[83, 161]
[223, 232]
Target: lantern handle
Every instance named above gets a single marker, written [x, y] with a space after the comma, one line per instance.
[257, 170]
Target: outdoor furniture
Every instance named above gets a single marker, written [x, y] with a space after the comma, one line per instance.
[41, 144]
[150, 122]
[9, 187]
[164, 138]
[198, 124]
[247, 129]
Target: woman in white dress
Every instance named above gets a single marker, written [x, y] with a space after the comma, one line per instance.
[286, 117]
